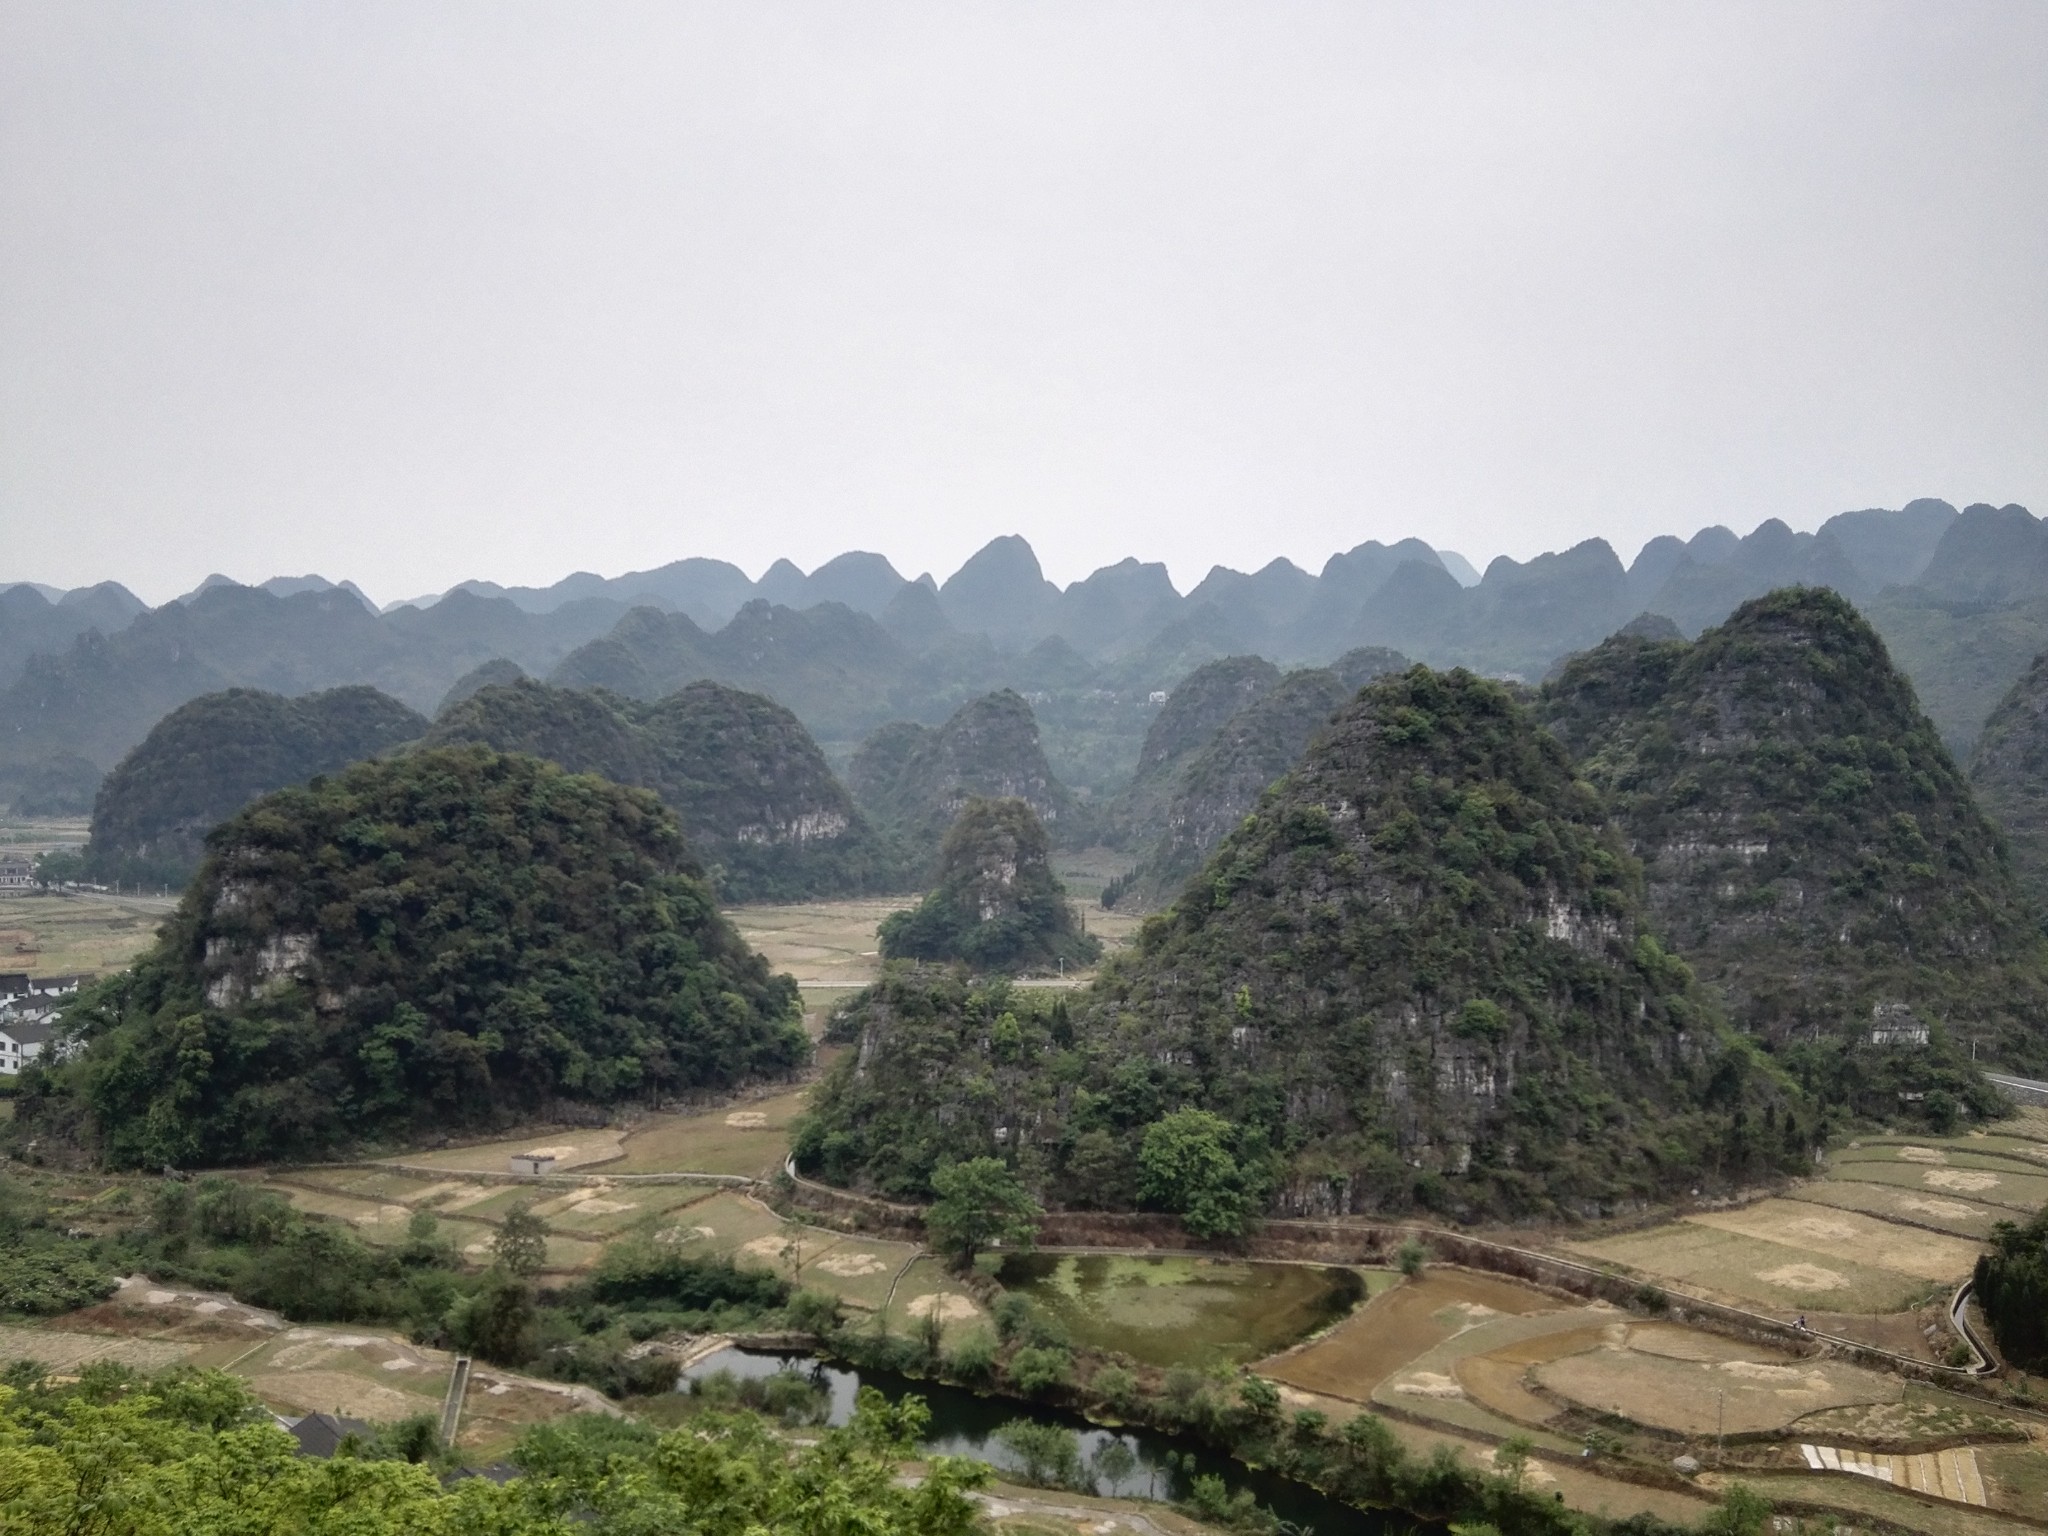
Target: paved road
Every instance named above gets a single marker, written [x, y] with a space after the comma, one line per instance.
[2027, 1090]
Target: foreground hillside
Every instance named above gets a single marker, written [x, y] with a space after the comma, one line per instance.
[1420, 974]
[1809, 845]
[442, 941]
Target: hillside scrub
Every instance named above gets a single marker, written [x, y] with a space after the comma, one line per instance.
[2012, 1287]
[193, 1450]
[455, 939]
[1811, 848]
[1417, 977]
[997, 906]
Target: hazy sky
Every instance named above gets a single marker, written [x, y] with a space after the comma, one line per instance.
[420, 291]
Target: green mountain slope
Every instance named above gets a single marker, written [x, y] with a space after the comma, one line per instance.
[1189, 720]
[915, 781]
[758, 802]
[209, 757]
[446, 940]
[1419, 975]
[1807, 841]
[996, 905]
[2009, 772]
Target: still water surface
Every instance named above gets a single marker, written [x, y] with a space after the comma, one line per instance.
[964, 1423]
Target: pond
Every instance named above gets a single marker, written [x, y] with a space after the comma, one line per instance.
[1160, 1466]
[1180, 1309]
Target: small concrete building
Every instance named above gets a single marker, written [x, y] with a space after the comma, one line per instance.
[532, 1163]
[17, 871]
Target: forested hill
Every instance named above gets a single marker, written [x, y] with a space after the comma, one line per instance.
[1808, 843]
[454, 939]
[759, 804]
[1419, 975]
[2009, 771]
[208, 758]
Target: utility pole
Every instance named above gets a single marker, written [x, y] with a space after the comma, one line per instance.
[1720, 1425]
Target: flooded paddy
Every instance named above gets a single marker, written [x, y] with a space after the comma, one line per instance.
[1183, 1310]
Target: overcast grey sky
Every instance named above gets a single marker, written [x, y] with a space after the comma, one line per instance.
[419, 291]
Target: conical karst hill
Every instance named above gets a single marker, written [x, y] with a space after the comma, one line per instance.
[997, 907]
[1417, 976]
[1809, 845]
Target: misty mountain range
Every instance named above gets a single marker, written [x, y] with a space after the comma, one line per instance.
[1960, 597]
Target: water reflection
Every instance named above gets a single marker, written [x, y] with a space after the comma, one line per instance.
[1149, 1465]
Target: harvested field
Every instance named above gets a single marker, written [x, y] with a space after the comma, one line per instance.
[1947, 1213]
[1433, 1384]
[1904, 1424]
[821, 944]
[1397, 1326]
[1754, 1271]
[2003, 1186]
[1881, 1245]
[749, 1138]
[1669, 1386]
[927, 1286]
[571, 1150]
[51, 934]
[66, 1351]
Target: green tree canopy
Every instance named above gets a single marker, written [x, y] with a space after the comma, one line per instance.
[1189, 1169]
[980, 1202]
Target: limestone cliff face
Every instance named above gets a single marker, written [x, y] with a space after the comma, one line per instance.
[1807, 842]
[2009, 771]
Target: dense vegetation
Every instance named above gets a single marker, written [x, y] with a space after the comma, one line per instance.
[1194, 712]
[914, 780]
[996, 905]
[2012, 1288]
[1811, 848]
[1217, 785]
[757, 800]
[207, 759]
[1417, 976]
[189, 1451]
[450, 939]
[2009, 771]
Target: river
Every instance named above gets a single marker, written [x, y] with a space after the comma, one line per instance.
[1163, 1466]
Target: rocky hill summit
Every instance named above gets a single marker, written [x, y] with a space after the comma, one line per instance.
[997, 906]
[1419, 975]
[2009, 772]
[758, 802]
[914, 780]
[1809, 844]
[209, 757]
[448, 940]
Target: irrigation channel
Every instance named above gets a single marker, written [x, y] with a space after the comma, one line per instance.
[1164, 1466]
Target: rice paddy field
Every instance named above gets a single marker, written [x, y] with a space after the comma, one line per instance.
[72, 932]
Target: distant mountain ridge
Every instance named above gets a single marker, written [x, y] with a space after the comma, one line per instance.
[1961, 599]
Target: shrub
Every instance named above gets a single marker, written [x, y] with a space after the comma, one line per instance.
[1035, 1369]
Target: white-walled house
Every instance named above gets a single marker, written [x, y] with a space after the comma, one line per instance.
[22, 1041]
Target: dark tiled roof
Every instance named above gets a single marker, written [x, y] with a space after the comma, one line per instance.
[319, 1434]
[27, 1031]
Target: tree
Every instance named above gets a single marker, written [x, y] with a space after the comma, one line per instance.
[521, 1246]
[980, 1203]
[1189, 1169]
